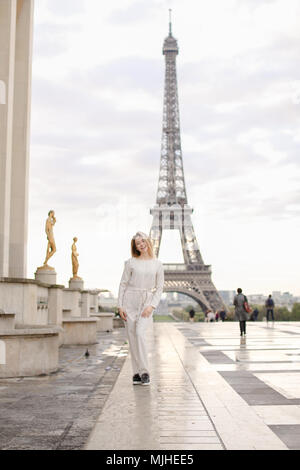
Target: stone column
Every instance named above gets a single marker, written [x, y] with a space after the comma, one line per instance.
[94, 300]
[7, 65]
[85, 304]
[55, 305]
[21, 140]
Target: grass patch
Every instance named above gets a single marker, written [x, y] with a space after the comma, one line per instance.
[163, 318]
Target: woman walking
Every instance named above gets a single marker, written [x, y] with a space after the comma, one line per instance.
[140, 291]
[240, 312]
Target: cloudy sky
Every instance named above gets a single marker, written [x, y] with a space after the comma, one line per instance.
[98, 76]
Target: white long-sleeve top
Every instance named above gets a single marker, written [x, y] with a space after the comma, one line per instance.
[142, 274]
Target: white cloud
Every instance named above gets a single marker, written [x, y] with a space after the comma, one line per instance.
[96, 127]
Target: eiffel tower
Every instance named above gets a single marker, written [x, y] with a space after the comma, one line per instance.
[172, 211]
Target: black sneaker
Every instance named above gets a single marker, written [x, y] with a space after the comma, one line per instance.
[145, 379]
[136, 380]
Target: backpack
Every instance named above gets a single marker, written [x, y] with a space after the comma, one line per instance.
[270, 303]
[246, 305]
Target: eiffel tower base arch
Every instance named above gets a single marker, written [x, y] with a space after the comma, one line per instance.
[194, 282]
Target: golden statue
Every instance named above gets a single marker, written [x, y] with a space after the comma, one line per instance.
[75, 264]
[51, 247]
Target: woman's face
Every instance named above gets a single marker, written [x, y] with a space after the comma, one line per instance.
[141, 245]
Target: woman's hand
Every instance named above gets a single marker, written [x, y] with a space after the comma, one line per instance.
[147, 311]
[123, 314]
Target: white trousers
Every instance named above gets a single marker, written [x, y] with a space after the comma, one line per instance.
[136, 327]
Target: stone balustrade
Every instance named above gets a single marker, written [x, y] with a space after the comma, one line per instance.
[36, 318]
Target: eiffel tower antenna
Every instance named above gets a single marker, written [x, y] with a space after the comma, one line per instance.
[172, 211]
[170, 22]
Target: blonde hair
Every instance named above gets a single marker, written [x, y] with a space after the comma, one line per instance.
[135, 253]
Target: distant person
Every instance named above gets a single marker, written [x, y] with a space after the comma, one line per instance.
[210, 316]
[254, 315]
[217, 316]
[240, 313]
[270, 307]
[222, 315]
[192, 314]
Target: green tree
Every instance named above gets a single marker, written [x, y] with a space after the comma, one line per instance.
[296, 312]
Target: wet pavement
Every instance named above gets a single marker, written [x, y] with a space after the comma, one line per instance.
[59, 411]
[210, 390]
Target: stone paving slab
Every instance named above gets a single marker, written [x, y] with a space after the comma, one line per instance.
[59, 411]
[192, 404]
[168, 414]
[266, 375]
[290, 434]
[237, 424]
[279, 415]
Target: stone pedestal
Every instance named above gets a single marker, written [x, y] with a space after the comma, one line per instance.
[96, 316]
[106, 320]
[29, 352]
[46, 275]
[76, 283]
[118, 322]
[80, 331]
[71, 303]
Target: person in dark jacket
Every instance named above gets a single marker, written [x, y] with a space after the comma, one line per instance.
[192, 314]
[240, 313]
[223, 315]
[270, 307]
[254, 315]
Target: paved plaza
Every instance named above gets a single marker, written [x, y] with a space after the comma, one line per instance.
[209, 390]
[58, 411]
